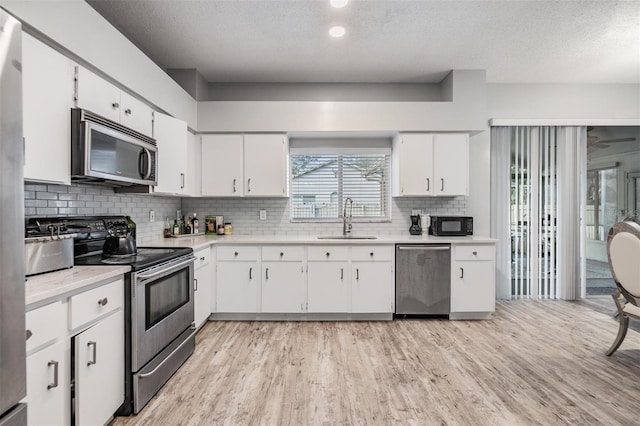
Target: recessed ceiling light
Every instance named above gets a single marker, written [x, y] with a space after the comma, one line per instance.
[337, 31]
[339, 3]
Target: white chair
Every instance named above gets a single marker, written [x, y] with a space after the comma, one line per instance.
[623, 249]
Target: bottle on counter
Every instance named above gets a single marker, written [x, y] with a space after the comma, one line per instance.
[194, 224]
[176, 228]
[168, 229]
[187, 226]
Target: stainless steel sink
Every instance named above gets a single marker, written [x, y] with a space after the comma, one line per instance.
[347, 237]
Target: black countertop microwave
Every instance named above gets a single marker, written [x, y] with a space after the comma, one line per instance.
[450, 226]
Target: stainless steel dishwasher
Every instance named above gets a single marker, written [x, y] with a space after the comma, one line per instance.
[423, 279]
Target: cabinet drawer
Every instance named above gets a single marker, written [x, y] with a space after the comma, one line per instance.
[372, 253]
[330, 253]
[475, 252]
[247, 253]
[87, 306]
[46, 324]
[203, 257]
[282, 253]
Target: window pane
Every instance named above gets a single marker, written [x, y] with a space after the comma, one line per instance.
[321, 182]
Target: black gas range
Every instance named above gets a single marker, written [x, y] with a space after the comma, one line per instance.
[158, 300]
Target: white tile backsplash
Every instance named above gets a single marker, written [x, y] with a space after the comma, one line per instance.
[243, 213]
[89, 200]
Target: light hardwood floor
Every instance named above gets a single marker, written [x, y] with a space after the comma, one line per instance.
[535, 362]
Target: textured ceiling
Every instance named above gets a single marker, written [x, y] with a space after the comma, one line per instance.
[387, 41]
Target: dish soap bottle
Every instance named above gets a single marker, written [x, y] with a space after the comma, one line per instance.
[194, 224]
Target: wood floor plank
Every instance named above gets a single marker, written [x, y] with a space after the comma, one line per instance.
[534, 363]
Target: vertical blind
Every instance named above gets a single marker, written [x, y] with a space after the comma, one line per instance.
[325, 173]
[545, 174]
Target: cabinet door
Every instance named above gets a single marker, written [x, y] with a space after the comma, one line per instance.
[416, 164]
[98, 95]
[171, 137]
[222, 165]
[99, 371]
[473, 287]
[282, 287]
[202, 293]
[328, 287]
[47, 87]
[48, 390]
[136, 115]
[451, 164]
[194, 174]
[237, 287]
[265, 165]
[371, 287]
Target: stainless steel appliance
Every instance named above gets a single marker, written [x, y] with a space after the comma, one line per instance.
[104, 151]
[451, 226]
[423, 279]
[13, 382]
[159, 317]
[48, 253]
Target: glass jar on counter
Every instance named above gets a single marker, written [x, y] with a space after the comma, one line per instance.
[228, 228]
[220, 230]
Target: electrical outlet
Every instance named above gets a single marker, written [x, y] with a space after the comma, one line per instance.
[263, 215]
[152, 216]
[416, 212]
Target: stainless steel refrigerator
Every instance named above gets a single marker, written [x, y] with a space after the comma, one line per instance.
[13, 382]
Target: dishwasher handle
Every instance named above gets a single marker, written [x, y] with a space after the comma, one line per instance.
[425, 248]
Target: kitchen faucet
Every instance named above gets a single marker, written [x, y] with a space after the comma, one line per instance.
[346, 220]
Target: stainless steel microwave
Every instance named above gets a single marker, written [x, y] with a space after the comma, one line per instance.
[451, 226]
[105, 152]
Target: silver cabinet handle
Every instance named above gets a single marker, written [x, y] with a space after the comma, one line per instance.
[148, 173]
[475, 253]
[115, 105]
[55, 374]
[441, 184]
[249, 185]
[424, 247]
[250, 273]
[357, 273]
[95, 348]
[29, 334]
[371, 254]
[182, 180]
[234, 186]
[235, 253]
[341, 273]
[127, 111]
[328, 254]
[428, 184]
[195, 284]
[168, 358]
[103, 301]
[281, 254]
[266, 274]
[461, 272]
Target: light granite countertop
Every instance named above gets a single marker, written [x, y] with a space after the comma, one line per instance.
[201, 241]
[45, 288]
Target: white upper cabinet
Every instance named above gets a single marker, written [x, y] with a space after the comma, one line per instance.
[103, 98]
[235, 165]
[222, 165]
[414, 164]
[171, 137]
[451, 164]
[265, 165]
[194, 167]
[47, 85]
[427, 164]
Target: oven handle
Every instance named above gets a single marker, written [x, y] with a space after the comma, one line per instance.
[150, 373]
[144, 277]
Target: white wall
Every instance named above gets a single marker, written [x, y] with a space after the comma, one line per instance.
[79, 28]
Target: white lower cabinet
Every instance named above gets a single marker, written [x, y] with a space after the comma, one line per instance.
[238, 283]
[328, 286]
[283, 287]
[203, 286]
[99, 371]
[371, 288]
[73, 345]
[48, 385]
[473, 279]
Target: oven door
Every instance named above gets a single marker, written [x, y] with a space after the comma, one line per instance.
[161, 308]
